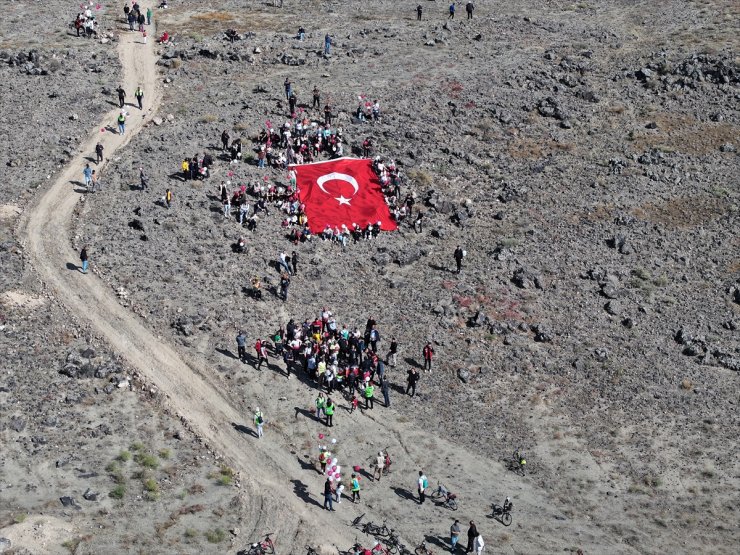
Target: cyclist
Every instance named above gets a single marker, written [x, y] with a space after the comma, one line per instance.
[521, 460]
[508, 505]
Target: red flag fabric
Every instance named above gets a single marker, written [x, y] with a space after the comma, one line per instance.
[342, 191]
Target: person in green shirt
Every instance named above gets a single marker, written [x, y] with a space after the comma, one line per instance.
[320, 405]
[369, 391]
[329, 412]
[148, 16]
[355, 488]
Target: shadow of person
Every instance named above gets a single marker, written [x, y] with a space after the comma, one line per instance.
[403, 493]
[301, 490]
[226, 353]
[306, 465]
[73, 267]
[241, 428]
[436, 540]
[412, 362]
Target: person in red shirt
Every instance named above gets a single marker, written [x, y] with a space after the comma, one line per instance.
[428, 353]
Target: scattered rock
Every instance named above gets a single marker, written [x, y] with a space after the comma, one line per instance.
[463, 375]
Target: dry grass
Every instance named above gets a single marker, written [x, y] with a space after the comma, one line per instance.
[685, 134]
[682, 213]
[525, 148]
[197, 25]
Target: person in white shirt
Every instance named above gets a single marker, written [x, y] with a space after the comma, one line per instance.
[478, 544]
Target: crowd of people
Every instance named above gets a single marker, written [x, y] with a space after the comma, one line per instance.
[86, 23]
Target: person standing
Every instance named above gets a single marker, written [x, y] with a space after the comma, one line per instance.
[316, 98]
[98, 153]
[478, 544]
[329, 412]
[121, 96]
[385, 389]
[328, 495]
[320, 403]
[327, 114]
[327, 44]
[148, 16]
[143, 179]
[122, 122]
[369, 392]
[83, 259]
[411, 380]
[472, 532]
[288, 88]
[392, 353]
[422, 486]
[168, 198]
[241, 344]
[459, 255]
[139, 95]
[294, 262]
[428, 353]
[258, 421]
[452, 11]
[418, 12]
[355, 488]
[225, 140]
[87, 174]
[95, 181]
[379, 466]
[454, 535]
[469, 7]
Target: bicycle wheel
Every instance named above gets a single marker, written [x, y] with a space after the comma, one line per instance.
[506, 519]
[452, 504]
[383, 531]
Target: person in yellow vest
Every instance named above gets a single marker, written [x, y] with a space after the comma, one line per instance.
[320, 405]
[329, 412]
[323, 459]
[122, 122]
[185, 169]
[139, 95]
[369, 391]
[355, 488]
[168, 198]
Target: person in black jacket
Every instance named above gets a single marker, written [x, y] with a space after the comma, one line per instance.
[328, 495]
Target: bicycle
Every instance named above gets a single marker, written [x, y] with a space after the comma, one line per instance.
[395, 547]
[378, 531]
[422, 549]
[502, 513]
[448, 499]
[264, 547]
[519, 462]
[311, 551]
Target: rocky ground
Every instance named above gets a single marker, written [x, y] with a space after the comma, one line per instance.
[584, 156]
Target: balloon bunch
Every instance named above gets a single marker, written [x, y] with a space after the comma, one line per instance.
[333, 470]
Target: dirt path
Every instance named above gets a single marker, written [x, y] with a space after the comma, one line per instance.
[271, 478]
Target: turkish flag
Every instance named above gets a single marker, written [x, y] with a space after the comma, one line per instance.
[342, 191]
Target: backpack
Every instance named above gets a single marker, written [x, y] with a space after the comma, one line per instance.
[259, 419]
[424, 482]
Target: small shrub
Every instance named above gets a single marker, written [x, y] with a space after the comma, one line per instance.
[686, 384]
[147, 460]
[182, 495]
[224, 480]
[151, 495]
[190, 533]
[124, 456]
[136, 446]
[215, 536]
[151, 485]
[641, 273]
[112, 467]
[196, 489]
[118, 492]
[164, 454]
[20, 517]
[209, 118]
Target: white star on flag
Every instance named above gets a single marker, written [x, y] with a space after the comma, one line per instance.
[343, 200]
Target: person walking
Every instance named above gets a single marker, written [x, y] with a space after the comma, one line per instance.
[422, 486]
[148, 16]
[385, 389]
[168, 198]
[288, 88]
[418, 12]
[411, 380]
[283, 261]
[329, 412]
[452, 11]
[328, 494]
[83, 259]
[241, 344]
[454, 535]
[459, 255]
[392, 353]
[122, 122]
[144, 180]
[478, 544]
[472, 532]
[95, 181]
[428, 353]
[258, 421]
[139, 95]
[87, 174]
[469, 7]
[355, 488]
[98, 153]
[121, 96]
[327, 44]
[327, 114]
[369, 392]
[379, 466]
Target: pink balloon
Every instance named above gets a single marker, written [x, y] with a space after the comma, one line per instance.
[333, 468]
[337, 477]
[321, 436]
